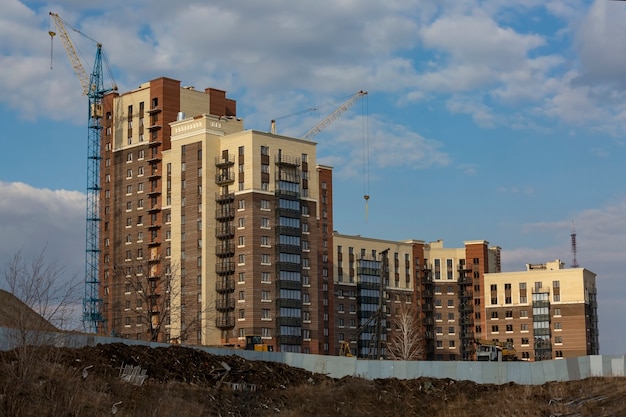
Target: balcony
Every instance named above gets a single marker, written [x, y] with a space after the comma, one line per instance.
[223, 178]
[154, 143]
[227, 304]
[225, 250]
[225, 213]
[466, 308]
[154, 110]
[290, 340]
[225, 285]
[288, 321]
[222, 232]
[224, 198]
[467, 335]
[289, 303]
[285, 248]
[225, 268]
[225, 322]
[154, 192]
[225, 162]
[288, 285]
[285, 160]
[154, 159]
[288, 266]
[428, 321]
[427, 307]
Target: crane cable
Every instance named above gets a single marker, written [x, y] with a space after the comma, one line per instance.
[366, 156]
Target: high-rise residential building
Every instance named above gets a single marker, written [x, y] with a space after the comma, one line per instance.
[211, 232]
[547, 311]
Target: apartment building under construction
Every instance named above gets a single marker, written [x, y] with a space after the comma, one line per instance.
[211, 233]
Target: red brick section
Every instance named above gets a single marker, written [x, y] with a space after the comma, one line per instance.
[219, 104]
[476, 258]
[423, 300]
[325, 261]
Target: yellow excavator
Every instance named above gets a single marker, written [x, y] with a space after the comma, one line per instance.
[492, 350]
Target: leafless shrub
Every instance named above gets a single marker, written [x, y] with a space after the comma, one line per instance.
[405, 342]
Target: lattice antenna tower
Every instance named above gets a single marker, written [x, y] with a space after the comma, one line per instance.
[573, 238]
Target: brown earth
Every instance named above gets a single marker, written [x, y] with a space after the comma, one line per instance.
[186, 382]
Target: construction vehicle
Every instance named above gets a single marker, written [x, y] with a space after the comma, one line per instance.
[255, 342]
[492, 350]
[344, 345]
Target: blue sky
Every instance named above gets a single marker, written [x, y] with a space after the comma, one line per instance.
[492, 120]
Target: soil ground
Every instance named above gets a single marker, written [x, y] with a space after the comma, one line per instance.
[187, 383]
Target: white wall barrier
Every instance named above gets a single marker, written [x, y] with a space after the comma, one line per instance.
[525, 373]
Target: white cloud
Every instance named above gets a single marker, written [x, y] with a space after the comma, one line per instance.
[33, 219]
[384, 145]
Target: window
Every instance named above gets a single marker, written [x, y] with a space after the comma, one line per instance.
[265, 259]
[265, 277]
[524, 340]
[439, 330]
[558, 326]
[266, 314]
[242, 314]
[509, 327]
[241, 204]
[523, 314]
[265, 241]
[450, 316]
[524, 327]
[494, 314]
[241, 222]
[494, 328]
[265, 295]
[557, 312]
[450, 303]
[265, 150]
[265, 223]
[451, 330]
[242, 240]
[509, 314]
[451, 344]
[242, 277]
[242, 259]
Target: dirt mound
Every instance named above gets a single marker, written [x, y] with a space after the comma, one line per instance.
[186, 382]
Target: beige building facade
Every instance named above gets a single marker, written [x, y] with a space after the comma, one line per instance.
[547, 311]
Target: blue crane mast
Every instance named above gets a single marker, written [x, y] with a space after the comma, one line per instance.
[93, 88]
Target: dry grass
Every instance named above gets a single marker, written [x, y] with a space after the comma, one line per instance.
[56, 388]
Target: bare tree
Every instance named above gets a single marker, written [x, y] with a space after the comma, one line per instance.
[405, 341]
[38, 302]
[156, 300]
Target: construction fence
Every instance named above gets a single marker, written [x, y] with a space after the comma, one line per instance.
[519, 372]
